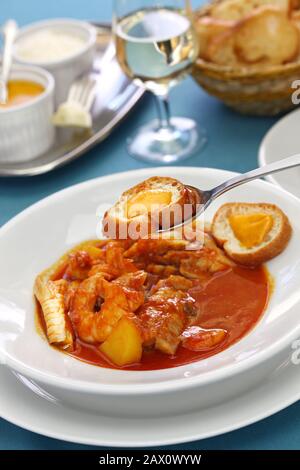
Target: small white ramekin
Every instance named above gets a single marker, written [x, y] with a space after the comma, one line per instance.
[64, 71]
[26, 130]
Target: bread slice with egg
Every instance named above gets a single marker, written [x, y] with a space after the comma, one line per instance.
[250, 233]
[156, 202]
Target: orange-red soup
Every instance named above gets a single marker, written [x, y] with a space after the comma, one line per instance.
[233, 300]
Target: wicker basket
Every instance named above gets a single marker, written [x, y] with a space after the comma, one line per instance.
[256, 91]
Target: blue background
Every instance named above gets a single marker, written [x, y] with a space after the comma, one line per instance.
[233, 145]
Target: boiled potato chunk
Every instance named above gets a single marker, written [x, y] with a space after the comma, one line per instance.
[124, 345]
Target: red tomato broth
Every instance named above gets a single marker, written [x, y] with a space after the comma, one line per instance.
[233, 300]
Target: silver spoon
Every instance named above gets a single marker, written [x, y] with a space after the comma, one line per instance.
[9, 32]
[203, 199]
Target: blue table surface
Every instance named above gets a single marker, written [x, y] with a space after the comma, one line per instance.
[233, 145]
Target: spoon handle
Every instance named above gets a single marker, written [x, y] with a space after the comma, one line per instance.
[284, 164]
[9, 31]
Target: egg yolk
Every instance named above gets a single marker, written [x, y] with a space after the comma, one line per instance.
[145, 202]
[21, 91]
[251, 229]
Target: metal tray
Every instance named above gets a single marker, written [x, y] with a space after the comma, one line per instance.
[115, 98]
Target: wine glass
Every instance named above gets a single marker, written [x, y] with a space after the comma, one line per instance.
[156, 46]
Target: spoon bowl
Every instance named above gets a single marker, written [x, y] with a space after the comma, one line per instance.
[203, 199]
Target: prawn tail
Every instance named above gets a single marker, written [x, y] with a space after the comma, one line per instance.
[50, 296]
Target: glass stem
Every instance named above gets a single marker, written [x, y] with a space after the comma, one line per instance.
[163, 108]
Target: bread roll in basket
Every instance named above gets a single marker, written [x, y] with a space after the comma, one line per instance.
[251, 76]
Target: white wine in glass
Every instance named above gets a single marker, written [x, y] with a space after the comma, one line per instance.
[156, 47]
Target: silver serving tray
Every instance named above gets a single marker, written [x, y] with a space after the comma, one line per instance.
[116, 96]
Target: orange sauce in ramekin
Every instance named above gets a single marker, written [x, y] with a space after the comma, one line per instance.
[21, 92]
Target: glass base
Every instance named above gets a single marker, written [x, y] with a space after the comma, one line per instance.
[181, 140]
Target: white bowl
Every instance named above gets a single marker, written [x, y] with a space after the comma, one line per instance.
[26, 130]
[38, 236]
[64, 71]
[281, 141]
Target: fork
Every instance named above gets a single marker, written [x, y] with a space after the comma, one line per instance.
[83, 92]
[75, 112]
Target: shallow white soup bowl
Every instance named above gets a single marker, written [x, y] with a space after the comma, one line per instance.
[26, 130]
[65, 70]
[38, 236]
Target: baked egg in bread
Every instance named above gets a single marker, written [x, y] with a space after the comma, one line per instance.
[154, 203]
[250, 233]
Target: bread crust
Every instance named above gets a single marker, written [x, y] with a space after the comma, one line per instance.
[295, 18]
[116, 217]
[294, 4]
[236, 10]
[221, 49]
[260, 255]
[268, 36]
[246, 34]
[208, 29]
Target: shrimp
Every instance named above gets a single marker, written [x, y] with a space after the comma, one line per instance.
[116, 260]
[54, 295]
[134, 280]
[79, 264]
[132, 284]
[97, 307]
[50, 294]
[103, 269]
[114, 264]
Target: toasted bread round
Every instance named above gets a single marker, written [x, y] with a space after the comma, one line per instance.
[232, 10]
[267, 36]
[221, 49]
[156, 202]
[272, 233]
[295, 17]
[236, 10]
[208, 29]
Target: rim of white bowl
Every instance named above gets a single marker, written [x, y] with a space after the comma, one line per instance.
[33, 27]
[171, 385]
[35, 71]
[270, 178]
[261, 152]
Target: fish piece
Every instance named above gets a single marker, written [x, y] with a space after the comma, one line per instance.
[50, 294]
